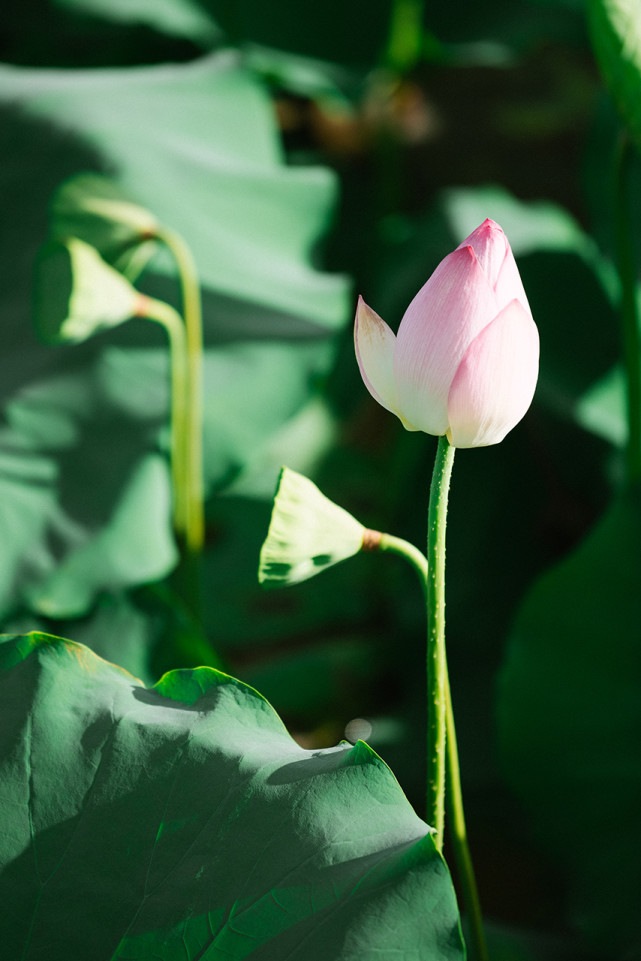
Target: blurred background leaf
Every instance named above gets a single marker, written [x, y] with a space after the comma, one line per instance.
[616, 36]
[269, 313]
[570, 721]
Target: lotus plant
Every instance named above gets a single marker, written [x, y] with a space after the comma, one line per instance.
[464, 367]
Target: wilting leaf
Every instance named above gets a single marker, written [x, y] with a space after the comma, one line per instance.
[182, 821]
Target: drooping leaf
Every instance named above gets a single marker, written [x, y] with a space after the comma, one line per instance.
[182, 821]
[570, 721]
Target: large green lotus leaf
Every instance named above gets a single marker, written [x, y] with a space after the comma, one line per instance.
[255, 392]
[616, 37]
[182, 821]
[136, 546]
[197, 147]
[28, 509]
[77, 528]
[570, 721]
[180, 150]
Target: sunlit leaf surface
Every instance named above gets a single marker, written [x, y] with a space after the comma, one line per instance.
[182, 821]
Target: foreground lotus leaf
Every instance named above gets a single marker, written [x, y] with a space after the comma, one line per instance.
[182, 821]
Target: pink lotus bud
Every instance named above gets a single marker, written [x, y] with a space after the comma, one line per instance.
[465, 361]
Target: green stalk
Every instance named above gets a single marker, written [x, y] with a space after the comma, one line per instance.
[396, 545]
[165, 315]
[458, 829]
[436, 663]
[405, 36]
[467, 879]
[190, 289]
[629, 308]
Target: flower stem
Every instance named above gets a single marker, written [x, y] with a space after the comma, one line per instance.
[629, 308]
[396, 545]
[436, 662]
[190, 288]
[458, 829]
[164, 314]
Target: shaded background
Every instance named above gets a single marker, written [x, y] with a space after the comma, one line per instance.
[306, 156]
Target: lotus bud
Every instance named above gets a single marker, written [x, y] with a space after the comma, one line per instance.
[465, 360]
[307, 533]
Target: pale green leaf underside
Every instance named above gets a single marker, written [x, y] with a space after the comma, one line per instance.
[183, 822]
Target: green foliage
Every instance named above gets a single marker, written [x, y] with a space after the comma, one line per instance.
[131, 549]
[616, 36]
[182, 820]
[180, 18]
[570, 720]
[180, 151]
[501, 116]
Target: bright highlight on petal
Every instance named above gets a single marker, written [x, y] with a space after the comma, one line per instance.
[375, 344]
[438, 326]
[495, 382]
[465, 361]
